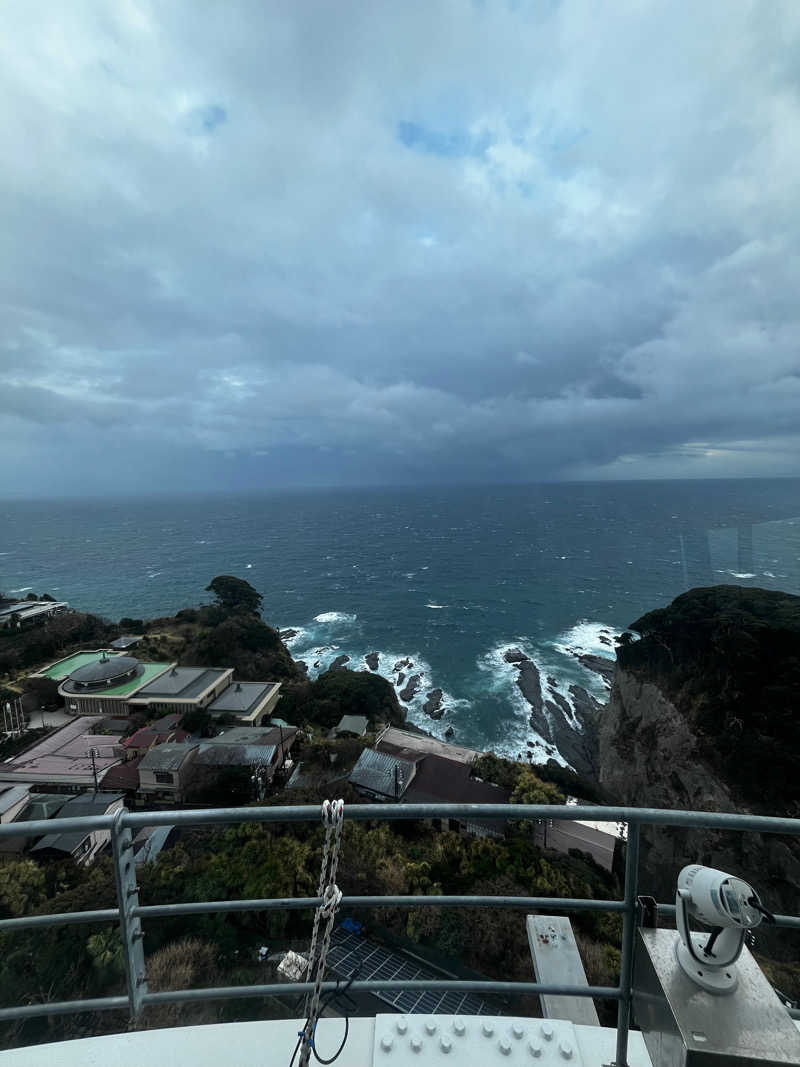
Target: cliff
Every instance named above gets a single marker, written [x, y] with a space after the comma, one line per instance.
[701, 716]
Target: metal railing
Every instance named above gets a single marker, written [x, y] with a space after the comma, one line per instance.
[129, 913]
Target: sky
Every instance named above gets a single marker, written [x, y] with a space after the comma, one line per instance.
[290, 244]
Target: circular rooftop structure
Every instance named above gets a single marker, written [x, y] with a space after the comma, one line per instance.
[105, 672]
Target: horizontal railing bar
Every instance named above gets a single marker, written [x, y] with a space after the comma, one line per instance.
[59, 919]
[399, 812]
[64, 1007]
[179, 996]
[165, 911]
[668, 910]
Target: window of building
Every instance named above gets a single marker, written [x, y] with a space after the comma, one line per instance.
[163, 778]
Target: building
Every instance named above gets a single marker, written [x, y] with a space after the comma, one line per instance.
[428, 779]
[19, 613]
[70, 760]
[165, 770]
[381, 776]
[123, 777]
[256, 757]
[82, 845]
[599, 839]
[250, 703]
[13, 801]
[126, 641]
[146, 738]
[181, 689]
[350, 724]
[282, 737]
[105, 685]
[411, 746]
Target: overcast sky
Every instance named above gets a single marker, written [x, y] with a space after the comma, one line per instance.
[296, 243]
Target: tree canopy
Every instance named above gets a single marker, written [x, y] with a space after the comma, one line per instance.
[235, 596]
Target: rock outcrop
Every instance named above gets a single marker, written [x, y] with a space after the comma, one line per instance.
[412, 687]
[659, 746]
[339, 663]
[371, 660]
[433, 705]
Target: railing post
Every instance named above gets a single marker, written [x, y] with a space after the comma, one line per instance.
[628, 932]
[130, 926]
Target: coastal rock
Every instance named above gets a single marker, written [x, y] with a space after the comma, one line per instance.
[530, 684]
[433, 705]
[600, 665]
[514, 655]
[449, 733]
[371, 661]
[400, 679]
[302, 665]
[285, 635]
[338, 663]
[403, 665]
[562, 702]
[412, 688]
[552, 682]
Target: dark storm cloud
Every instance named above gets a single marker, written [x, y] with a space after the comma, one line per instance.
[269, 244]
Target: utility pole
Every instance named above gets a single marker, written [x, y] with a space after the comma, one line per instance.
[93, 753]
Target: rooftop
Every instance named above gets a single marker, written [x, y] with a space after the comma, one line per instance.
[145, 673]
[64, 754]
[147, 737]
[167, 757]
[211, 755]
[242, 697]
[351, 724]
[126, 641]
[12, 796]
[182, 683]
[382, 773]
[411, 746]
[62, 668]
[75, 807]
[123, 776]
[255, 735]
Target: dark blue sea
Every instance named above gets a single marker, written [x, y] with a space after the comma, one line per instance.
[449, 578]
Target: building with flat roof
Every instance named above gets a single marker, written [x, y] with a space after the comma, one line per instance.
[182, 689]
[408, 745]
[63, 761]
[18, 613]
[248, 702]
[382, 776]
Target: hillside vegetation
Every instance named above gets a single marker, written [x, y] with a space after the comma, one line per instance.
[728, 658]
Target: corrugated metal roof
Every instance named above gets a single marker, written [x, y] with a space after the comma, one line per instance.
[381, 773]
[211, 755]
[167, 757]
[12, 796]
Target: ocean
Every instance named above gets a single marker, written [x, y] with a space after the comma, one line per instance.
[447, 578]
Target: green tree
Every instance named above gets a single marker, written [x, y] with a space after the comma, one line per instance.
[22, 887]
[234, 595]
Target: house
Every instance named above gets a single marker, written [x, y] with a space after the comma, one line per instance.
[165, 770]
[40, 806]
[250, 703]
[282, 737]
[256, 757]
[70, 760]
[598, 839]
[146, 738]
[429, 779]
[350, 724]
[150, 842]
[82, 845]
[381, 776]
[123, 777]
[104, 685]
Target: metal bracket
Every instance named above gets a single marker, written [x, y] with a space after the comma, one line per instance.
[130, 925]
[648, 912]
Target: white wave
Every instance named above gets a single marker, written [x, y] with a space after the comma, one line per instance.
[411, 574]
[739, 574]
[24, 589]
[300, 634]
[248, 566]
[436, 606]
[588, 638]
[335, 616]
[154, 574]
[768, 574]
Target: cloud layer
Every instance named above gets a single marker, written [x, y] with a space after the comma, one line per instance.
[270, 244]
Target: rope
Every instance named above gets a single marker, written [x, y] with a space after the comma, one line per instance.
[325, 915]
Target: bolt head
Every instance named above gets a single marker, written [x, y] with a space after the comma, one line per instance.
[518, 1030]
[547, 1031]
[487, 1028]
[445, 1044]
[402, 1024]
[505, 1046]
[459, 1027]
[430, 1027]
[387, 1042]
[416, 1044]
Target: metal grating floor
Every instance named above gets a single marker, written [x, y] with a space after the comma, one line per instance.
[348, 950]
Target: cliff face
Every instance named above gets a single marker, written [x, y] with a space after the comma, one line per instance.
[660, 746]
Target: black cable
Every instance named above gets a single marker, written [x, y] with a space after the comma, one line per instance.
[339, 991]
[768, 916]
